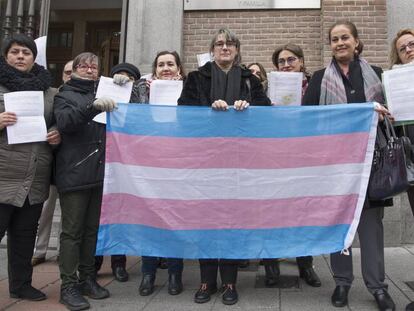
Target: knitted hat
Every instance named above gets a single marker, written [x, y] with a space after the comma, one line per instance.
[127, 67]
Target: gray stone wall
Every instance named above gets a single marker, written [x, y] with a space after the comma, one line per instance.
[153, 26]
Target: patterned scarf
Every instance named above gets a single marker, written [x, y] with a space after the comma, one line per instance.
[37, 79]
[333, 89]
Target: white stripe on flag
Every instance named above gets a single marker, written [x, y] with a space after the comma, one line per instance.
[242, 184]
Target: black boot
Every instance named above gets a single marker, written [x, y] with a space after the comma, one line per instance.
[72, 298]
[92, 289]
[384, 301]
[120, 273]
[175, 284]
[204, 293]
[28, 293]
[147, 285]
[272, 273]
[230, 296]
[310, 277]
[340, 296]
[162, 263]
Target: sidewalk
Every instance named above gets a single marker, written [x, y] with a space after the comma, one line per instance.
[253, 295]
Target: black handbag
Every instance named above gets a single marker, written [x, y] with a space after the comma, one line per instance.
[392, 167]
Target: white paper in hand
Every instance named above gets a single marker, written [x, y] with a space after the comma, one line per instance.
[119, 93]
[29, 109]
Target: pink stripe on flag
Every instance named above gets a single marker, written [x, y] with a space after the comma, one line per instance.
[228, 214]
[269, 153]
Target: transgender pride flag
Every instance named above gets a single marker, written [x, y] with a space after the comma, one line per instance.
[267, 182]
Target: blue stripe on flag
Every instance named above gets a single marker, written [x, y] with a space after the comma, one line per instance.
[257, 122]
[234, 244]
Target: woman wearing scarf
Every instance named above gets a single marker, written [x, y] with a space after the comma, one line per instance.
[220, 84]
[402, 54]
[25, 168]
[80, 163]
[348, 78]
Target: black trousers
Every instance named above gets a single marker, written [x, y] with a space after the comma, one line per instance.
[21, 226]
[304, 262]
[116, 261]
[228, 271]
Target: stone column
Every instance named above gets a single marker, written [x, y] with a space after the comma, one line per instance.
[153, 26]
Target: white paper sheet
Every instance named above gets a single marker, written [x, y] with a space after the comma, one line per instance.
[399, 91]
[41, 51]
[119, 93]
[29, 109]
[202, 59]
[165, 92]
[285, 88]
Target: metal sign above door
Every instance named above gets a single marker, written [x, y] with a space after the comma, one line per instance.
[197, 5]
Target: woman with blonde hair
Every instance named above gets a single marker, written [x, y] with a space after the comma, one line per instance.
[402, 54]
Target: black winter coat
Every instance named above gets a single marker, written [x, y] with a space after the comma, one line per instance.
[80, 158]
[354, 88]
[196, 89]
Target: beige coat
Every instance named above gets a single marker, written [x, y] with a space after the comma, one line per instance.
[25, 169]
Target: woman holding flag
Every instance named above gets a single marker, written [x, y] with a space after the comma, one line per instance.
[220, 84]
[348, 78]
[166, 66]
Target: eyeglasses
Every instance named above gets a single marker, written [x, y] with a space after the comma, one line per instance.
[87, 67]
[67, 72]
[403, 48]
[290, 60]
[221, 44]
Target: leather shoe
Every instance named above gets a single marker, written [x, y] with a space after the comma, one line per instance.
[162, 263]
[243, 264]
[175, 284]
[147, 285]
[28, 293]
[120, 274]
[384, 301]
[230, 296]
[340, 296]
[72, 298]
[204, 293]
[410, 307]
[38, 260]
[92, 289]
[272, 273]
[310, 277]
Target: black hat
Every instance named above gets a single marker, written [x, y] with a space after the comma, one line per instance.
[127, 67]
[20, 39]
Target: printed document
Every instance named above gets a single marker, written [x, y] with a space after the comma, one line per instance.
[165, 92]
[285, 88]
[29, 109]
[399, 91]
[119, 93]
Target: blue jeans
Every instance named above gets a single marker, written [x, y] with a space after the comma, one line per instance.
[150, 264]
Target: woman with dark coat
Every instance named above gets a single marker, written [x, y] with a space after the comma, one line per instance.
[80, 164]
[121, 74]
[166, 66]
[402, 54]
[350, 79]
[219, 84]
[25, 168]
[290, 58]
